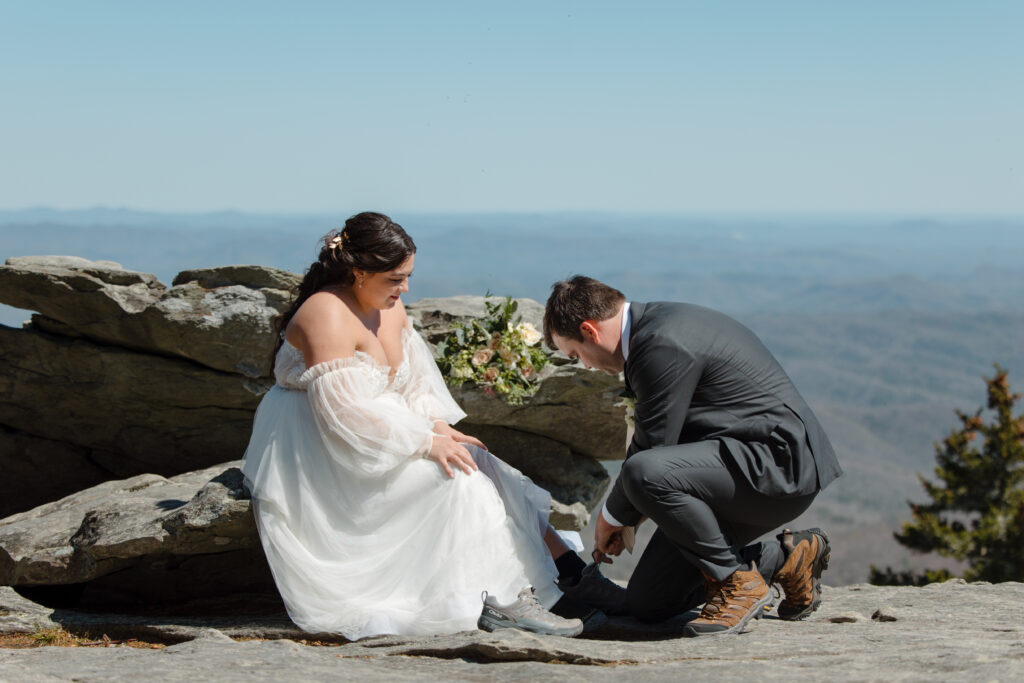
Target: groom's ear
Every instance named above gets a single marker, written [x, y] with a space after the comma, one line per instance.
[589, 331]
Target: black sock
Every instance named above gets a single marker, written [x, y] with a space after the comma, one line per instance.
[570, 567]
[567, 608]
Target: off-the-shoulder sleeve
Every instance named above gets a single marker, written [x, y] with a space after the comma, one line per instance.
[425, 391]
[363, 428]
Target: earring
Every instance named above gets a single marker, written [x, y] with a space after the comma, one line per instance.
[360, 283]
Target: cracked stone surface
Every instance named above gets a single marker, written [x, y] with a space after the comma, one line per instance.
[952, 631]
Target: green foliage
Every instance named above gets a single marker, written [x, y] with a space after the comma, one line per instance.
[498, 352]
[977, 508]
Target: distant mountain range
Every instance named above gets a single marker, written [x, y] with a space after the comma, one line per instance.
[735, 263]
[886, 323]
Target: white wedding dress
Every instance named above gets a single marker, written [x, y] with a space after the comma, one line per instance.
[364, 535]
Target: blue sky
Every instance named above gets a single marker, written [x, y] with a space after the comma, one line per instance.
[913, 106]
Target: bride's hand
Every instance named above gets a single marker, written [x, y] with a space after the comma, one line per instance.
[442, 427]
[446, 453]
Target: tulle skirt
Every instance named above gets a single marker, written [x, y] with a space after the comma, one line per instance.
[409, 552]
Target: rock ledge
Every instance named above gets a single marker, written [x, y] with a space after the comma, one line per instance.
[952, 631]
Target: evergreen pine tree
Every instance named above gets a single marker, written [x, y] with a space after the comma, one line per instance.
[977, 508]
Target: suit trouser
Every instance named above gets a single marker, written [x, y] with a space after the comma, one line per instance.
[707, 516]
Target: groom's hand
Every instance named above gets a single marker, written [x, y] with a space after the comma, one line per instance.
[608, 538]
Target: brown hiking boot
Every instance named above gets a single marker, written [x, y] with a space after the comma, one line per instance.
[731, 604]
[807, 555]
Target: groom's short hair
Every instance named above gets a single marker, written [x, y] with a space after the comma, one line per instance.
[576, 300]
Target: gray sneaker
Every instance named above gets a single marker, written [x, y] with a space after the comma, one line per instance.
[597, 590]
[525, 614]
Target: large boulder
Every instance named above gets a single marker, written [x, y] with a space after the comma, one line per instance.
[220, 318]
[109, 412]
[187, 536]
[117, 524]
[156, 411]
[118, 375]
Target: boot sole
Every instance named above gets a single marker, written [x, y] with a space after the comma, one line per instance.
[755, 612]
[817, 569]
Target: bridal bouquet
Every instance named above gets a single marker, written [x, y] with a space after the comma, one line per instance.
[499, 352]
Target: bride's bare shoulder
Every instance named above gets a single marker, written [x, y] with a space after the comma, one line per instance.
[323, 328]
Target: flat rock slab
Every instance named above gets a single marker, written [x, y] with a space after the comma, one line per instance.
[119, 524]
[217, 317]
[952, 631]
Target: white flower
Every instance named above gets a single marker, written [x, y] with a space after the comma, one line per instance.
[529, 333]
[461, 372]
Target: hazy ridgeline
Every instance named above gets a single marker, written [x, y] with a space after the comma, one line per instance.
[885, 323]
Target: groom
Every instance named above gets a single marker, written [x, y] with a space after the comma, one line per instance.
[724, 451]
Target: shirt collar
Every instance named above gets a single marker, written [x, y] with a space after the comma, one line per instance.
[627, 323]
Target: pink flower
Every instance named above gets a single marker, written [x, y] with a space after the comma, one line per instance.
[491, 374]
[528, 372]
[482, 356]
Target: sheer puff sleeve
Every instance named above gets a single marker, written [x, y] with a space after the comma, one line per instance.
[363, 427]
[425, 390]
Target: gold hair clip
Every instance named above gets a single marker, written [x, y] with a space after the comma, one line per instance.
[336, 242]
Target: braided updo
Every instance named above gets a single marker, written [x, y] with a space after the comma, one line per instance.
[369, 241]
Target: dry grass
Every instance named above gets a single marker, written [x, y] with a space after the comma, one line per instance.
[58, 637]
[310, 643]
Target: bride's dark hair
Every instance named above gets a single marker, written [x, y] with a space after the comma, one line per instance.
[369, 241]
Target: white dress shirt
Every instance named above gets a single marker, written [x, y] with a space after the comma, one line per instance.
[627, 322]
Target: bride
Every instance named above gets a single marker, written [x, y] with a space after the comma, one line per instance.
[377, 516]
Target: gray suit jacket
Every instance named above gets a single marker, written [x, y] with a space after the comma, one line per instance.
[698, 375]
